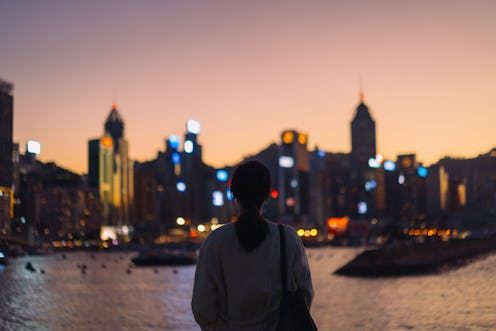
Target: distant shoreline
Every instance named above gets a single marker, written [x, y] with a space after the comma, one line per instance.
[415, 259]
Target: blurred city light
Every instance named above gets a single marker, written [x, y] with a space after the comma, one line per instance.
[370, 185]
[176, 158]
[217, 198]
[106, 141]
[274, 194]
[193, 126]
[181, 186]
[286, 162]
[362, 207]
[389, 165]
[422, 171]
[287, 137]
[338, 225]
[302, 138]
[33, 147]
[108, 232]
[188, 146]
[174, 141]
[229, 195]
[373, 163]
[222, 175]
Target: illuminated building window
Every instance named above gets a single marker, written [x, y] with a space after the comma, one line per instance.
[287, 137]
[174, 141]
[286, 162]
[188, 146]
[389, 165]
[106, 141]
[177, 169]
[274, 194]
[373, 163]
[290, 202]
[33, 147]
[193, 126]
[217, 198]
[181, 186]
[302, 138]
[338, 225]
[222, 175]
[406, 162]
[362, 207]
[370, 185]
[229, 195]
[462, 195]
[422, 171]
[176, 158]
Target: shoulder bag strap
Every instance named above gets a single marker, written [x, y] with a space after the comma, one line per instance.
[283, 258]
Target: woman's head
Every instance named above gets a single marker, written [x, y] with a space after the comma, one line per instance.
[250, 184]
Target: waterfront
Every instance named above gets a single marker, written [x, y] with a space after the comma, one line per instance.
[111, 296]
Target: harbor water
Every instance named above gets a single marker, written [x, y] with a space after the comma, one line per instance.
[85, 291]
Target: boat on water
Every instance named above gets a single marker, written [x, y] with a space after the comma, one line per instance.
[166, 256]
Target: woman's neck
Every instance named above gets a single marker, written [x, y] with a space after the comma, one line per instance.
[244, 210]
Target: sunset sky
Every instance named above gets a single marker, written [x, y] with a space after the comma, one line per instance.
[249, 69]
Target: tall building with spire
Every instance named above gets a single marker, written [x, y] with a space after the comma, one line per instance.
[111, 171]
[364, 200]
[363, 142]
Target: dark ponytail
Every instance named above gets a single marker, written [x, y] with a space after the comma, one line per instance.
[251, 186]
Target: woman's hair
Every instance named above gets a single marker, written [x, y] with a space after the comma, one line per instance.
[250, 186]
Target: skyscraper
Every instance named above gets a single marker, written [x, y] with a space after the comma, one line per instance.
[294, 167]
[363, 143]
[6, 155]
[193, 172]
[363, 147]
[111, 171]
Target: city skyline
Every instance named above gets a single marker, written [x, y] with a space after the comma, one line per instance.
[248, 71]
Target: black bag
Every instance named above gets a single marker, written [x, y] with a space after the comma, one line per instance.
[293, 312]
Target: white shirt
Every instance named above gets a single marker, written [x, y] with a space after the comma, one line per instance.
[239, 290]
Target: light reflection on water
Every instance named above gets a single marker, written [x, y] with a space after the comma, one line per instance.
[109, 298]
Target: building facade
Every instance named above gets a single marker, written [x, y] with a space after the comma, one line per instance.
[6, 156]
[111, 171]
[363, 139]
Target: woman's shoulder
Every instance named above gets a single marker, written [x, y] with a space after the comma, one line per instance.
[289, 231]
[220, 233]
